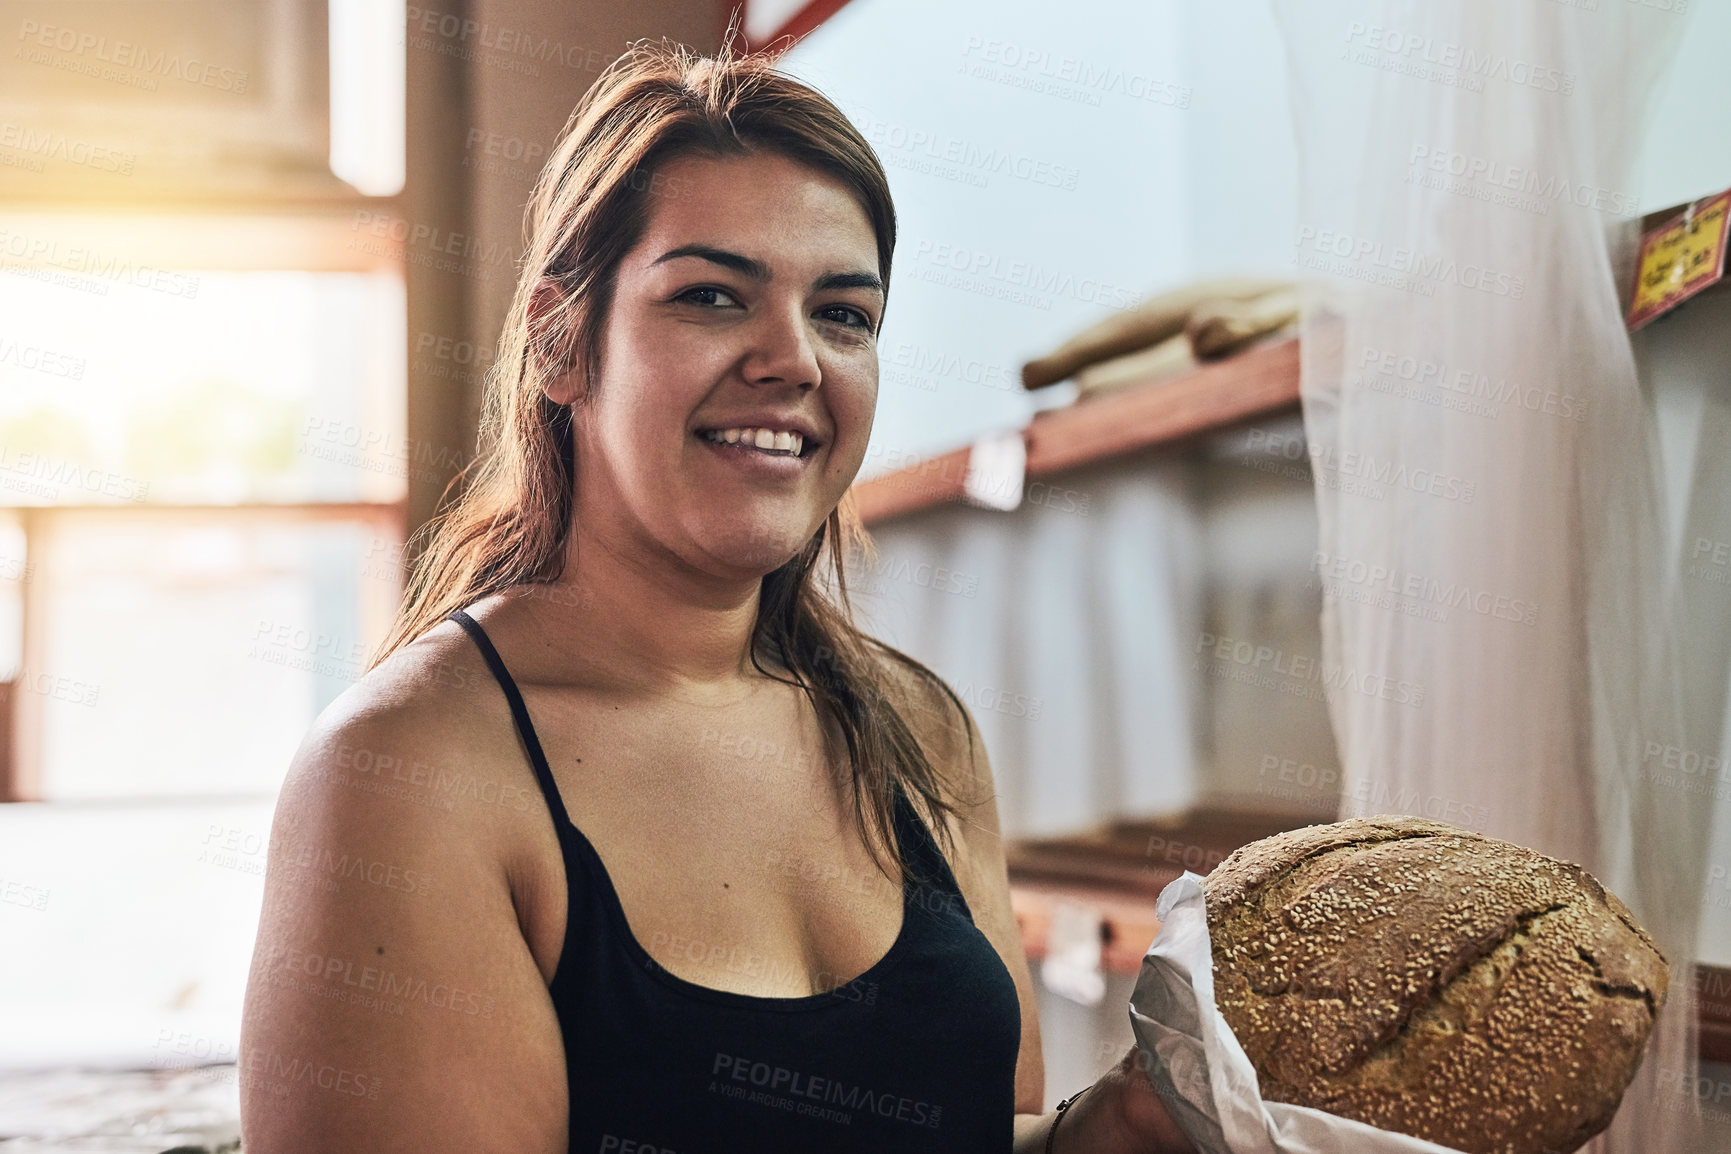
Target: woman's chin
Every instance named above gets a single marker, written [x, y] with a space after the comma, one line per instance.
[756, 556]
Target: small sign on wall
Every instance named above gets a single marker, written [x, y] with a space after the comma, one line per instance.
[1679, 258]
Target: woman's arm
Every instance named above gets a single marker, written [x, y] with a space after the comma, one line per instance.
[393, 1003]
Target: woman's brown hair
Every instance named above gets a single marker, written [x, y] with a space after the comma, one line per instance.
[508, 525]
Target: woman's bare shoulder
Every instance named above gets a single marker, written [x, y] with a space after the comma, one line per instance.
[419, 750]
[437, 677]
[390, 941]
[435, 691]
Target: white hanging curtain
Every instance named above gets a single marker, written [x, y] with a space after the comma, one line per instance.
[1486, 469]
[1069, 627]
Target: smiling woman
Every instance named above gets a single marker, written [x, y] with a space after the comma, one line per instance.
[695, 952]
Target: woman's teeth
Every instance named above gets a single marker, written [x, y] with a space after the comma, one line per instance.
[767, 440]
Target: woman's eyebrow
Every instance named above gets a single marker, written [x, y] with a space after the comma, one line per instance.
[758, 271]
[865, 280]
[744, 265]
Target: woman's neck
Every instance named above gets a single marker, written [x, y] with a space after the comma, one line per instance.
[635, 621]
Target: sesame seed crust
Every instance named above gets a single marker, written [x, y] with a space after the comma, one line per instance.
[1424, 979]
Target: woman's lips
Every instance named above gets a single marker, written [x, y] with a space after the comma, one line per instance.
[771, 463]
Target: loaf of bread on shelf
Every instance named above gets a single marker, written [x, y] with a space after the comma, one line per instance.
[1170, 358]
[1424, 979]
[1148, 323]
[1219, 328]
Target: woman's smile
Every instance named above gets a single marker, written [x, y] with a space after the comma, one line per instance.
[775, 462]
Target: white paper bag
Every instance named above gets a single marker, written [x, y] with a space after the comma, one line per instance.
[1203, 1075]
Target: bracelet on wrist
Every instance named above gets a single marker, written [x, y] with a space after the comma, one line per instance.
[1052, 1134]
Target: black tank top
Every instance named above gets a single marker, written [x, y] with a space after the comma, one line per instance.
[916, 1054]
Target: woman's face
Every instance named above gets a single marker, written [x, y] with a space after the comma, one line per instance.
[748, 312]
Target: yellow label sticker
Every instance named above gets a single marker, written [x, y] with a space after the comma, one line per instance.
[1680, 258]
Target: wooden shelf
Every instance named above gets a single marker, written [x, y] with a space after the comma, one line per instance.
[1261, 380]
[1120, 869]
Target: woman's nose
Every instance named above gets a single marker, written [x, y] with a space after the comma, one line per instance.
[782, 351]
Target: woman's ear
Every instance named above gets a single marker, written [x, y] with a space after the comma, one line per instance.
[566, 388]
[560, 372]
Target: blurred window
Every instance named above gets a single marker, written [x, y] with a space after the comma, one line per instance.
[203, 462]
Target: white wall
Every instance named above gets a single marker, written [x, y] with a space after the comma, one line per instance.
[1687, 153]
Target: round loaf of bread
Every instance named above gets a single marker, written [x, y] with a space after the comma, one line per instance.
[1424, 979]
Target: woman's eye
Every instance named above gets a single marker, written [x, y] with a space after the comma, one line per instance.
[847, 315]
[707, 296]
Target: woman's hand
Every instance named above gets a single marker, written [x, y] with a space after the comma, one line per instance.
[1121, 1114]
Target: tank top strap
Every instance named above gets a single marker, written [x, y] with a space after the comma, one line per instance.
[520, 712]
[929, 873]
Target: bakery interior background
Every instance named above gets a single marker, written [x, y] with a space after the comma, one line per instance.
[1398, 513]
